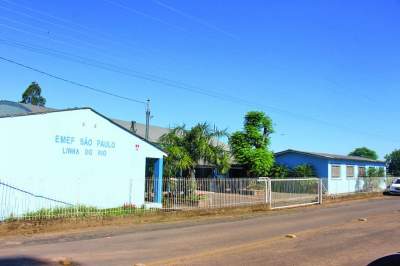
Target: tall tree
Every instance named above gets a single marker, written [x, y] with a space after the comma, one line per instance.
[32, 95]
[365, 153]
[250, 146]
[187, 148]
[393, 163]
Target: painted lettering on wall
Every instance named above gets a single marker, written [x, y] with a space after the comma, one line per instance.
[85, 146]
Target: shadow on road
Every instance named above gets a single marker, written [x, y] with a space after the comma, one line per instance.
[30, 261]
[22, 261]
[390, 260]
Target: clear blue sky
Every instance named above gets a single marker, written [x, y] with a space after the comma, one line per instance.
[327, 72]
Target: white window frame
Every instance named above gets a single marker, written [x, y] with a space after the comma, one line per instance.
[340, 171]
[354, 171]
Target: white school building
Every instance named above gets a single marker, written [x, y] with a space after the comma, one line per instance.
[77, 156]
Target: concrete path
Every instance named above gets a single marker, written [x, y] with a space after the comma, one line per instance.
[330, 235]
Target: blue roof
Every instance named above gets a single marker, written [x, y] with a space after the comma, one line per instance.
[329, 156]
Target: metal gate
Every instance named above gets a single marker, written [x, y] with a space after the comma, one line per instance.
[293, 192]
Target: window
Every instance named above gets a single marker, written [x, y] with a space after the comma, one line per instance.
[335, 171]
[362, 172]
[349, 171]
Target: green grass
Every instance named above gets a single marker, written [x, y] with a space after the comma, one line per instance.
[80, 211]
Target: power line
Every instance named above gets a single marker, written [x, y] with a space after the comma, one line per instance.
[51, 35]
[116, 69]
[46, 37]
[144, 76]
[59, 37]
[158, 79]
[71, 81]
[133, 10]
[232, 99]
[195, 19]
[103, 36]
[60, 22]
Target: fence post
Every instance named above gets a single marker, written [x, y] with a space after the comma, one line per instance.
[269, 193]
[320, 190]
[266, 191]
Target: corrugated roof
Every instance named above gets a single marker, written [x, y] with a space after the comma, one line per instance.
[8, 108]
[155, 132]
[330, 156]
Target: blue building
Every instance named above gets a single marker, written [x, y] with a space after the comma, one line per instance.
[341, 174]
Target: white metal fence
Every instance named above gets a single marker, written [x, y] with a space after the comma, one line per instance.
[343, 186]
[189, 194]
[292, 192]
[186, 193]
[18, 203]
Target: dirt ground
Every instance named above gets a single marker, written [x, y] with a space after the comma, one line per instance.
[351, 232]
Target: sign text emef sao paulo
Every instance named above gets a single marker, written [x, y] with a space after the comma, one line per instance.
[85, 145]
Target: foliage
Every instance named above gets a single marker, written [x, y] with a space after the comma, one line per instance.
[372, 180]
[32, 95]
[375, 172]
[393, 163]
[186, 148]
[282, 171]
[250, 146]
[303, 170]
[365, 153]
[279, 171]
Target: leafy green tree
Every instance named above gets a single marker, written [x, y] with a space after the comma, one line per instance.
[250, 146]
[187, 148]
[393, 163]
[32, 95]
[303, 170]
[178, 158]
[365, 153]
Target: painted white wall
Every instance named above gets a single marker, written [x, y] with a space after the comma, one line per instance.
[33, 158]
[344, 184]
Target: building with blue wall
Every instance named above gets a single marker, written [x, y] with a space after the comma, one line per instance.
[340, 174]
[77, 156]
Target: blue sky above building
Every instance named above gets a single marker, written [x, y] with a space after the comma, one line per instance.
[325, 71]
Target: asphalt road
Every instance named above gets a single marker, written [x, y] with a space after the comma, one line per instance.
[327, 235]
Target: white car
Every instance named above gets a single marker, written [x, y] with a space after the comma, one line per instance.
[394, 188]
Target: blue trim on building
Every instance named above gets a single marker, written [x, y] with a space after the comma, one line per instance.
[158, 180]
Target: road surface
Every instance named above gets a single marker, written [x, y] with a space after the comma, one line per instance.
[349, 233]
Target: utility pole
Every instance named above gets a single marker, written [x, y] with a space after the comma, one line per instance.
[146, 136]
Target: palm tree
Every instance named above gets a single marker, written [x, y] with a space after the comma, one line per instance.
[187, 148]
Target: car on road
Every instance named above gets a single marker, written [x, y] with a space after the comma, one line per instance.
[394, 188]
